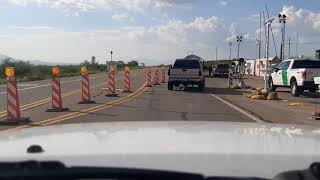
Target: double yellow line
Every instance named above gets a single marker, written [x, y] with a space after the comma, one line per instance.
[85, 111]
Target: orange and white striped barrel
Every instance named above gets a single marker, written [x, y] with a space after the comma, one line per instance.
[127, 83]
[149, 78]
[56, 93]
[85, 87]
[111, 84]
[13, 105]
[156, 77]
[163, 75]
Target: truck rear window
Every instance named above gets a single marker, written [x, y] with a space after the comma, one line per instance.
[186, 64]
[223, 66]
[306, 64]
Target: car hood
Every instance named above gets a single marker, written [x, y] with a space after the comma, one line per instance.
[210, 148]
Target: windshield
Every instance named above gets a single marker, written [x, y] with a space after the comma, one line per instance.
[306, 64]
[217, 87]
[187, 64]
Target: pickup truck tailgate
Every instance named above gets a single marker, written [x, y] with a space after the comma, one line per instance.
[311, 73]
[184, 72]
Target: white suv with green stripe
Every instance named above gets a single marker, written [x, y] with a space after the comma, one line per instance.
[297, 74]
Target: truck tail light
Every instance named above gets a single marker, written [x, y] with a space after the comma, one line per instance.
[200, 72]
[304, 75]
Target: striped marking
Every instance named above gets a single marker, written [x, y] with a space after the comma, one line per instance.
[111, 84]
[13, 107]
[127, 81]
[56, 93]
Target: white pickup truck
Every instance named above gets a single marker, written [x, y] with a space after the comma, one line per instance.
[298, 74]
[186, 72]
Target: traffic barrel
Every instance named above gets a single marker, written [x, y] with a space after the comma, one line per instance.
[163, 75]
[156, 77]
[127, 83]
[85, 86]
[111, 84]
[13, 104]
[149, 77]
[56, 92]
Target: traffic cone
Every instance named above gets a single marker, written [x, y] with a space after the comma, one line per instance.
[156, 77]
[111, 84]
[13, 104]
[149, 78]
[56, 92]
[163, 75]
[85, 87]
[127, 83]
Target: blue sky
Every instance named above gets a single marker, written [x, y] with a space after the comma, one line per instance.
[153, 31]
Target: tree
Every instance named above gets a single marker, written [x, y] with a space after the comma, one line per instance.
[85, 63]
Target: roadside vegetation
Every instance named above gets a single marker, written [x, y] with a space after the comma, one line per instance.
[24, 71]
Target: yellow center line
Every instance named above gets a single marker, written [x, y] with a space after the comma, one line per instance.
[84, 112]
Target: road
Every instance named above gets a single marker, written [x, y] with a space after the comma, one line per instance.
[145, 104]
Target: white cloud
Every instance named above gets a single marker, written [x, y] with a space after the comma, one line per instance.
[75, 7]
[223, 3]
[31, 28]
[163, 4]
[163, 42]
[122, 17]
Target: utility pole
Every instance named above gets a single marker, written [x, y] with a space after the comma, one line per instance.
[216, 53]
[289, 48]
[260, 38]
[239, 40]
[230, 45]
[297, 42]
[282, 20]
[268, 23]
[111, 55]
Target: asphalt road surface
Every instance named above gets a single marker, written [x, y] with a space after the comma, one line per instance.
[144, 104]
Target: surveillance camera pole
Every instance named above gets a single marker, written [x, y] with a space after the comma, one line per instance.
[267, 72]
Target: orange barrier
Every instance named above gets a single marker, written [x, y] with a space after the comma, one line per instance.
[149, 78]
[56, 92]
[127, 83]
[156, 77]
[85, 88]
[163, 75]
[111, 84]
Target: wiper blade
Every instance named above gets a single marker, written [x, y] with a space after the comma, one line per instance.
[57, 170]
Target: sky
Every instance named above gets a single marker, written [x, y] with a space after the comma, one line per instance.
[151, 31]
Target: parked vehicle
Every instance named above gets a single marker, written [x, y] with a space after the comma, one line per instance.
[297, 74]
[186, 72]
[221, 70]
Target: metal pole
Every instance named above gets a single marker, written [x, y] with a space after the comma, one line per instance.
[289, 48]
[297, 41]
[260, 38]
[238, 54]
[267, 55]
[230, 44]
[216, 53]
[284, 39]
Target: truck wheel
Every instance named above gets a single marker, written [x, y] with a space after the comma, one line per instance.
[271, 85]
[170, 86]
[295, 89]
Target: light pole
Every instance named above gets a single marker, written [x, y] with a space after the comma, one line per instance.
[230, 45]
[282, 20]
[111, 55]
[268, 23]
[239, 40]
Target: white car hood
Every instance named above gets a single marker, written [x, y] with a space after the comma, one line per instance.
[210, 148]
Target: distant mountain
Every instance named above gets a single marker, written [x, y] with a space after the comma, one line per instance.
[36, 62]
[40, 62]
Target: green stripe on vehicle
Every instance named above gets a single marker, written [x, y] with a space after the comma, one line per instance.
[285, 77]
